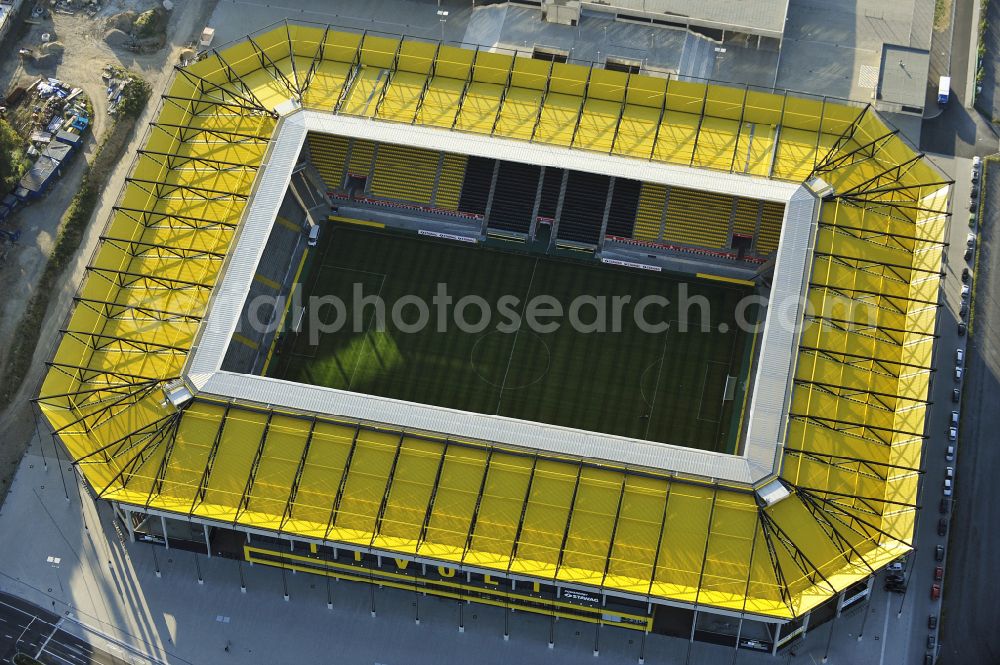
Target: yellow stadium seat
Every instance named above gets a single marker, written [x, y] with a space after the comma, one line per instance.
[697, 218]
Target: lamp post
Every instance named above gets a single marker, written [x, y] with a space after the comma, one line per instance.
[443, 18]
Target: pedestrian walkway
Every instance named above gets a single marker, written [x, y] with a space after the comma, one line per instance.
[141, 598]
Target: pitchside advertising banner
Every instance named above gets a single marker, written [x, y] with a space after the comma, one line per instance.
[449, 581]
[446, 236]
[631, 264]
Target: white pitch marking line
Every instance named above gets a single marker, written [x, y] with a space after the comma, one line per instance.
[513, 346]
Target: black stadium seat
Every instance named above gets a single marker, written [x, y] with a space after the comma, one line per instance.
[624, 203]
[583, 207]
[551, 184]
[514, 197]
[476, 186]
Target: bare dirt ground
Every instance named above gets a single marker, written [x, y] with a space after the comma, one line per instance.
[85, 54]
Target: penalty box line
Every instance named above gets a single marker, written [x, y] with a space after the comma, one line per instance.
[382, 277]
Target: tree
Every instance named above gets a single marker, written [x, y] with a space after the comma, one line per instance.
[11, 157]
[134, 96]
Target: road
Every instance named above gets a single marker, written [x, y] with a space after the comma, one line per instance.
[32, 630]
[958, 130]
[971, 613]
[906, 618]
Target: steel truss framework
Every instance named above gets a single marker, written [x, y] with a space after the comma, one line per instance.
[852, 452]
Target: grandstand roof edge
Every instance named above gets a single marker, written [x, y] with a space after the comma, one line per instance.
[502, 148]
[203, 367]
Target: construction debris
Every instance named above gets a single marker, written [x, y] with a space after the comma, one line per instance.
[52, 116]
[118, 80]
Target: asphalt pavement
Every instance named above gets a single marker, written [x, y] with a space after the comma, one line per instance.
[32, 630]
[905, 616]
[971, 613]
[957, 130]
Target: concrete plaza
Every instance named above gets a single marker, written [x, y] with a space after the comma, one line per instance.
[111, 594]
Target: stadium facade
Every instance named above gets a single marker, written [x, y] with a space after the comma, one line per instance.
[740, 549]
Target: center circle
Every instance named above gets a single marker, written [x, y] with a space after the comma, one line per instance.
[507, 373]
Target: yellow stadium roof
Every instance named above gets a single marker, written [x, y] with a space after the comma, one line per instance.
[854, 435]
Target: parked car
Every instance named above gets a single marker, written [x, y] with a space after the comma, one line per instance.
[931, 621]
[895, 583]
[930, 638]
[954, 418]
[948, 486]
[945, 506]
[942, 528]
[961, 329]
[935, 592]
[956, 394]
[966, 274]
[953, 434]
[949, 472]
[938, 573]
[977, 164]
[958, 373]
[949, 454]
[963, 309]
[965, 291]
[896, 566]
[972, 204]
[939, 553]
[968, 254]
[959, 356]
[970, 240]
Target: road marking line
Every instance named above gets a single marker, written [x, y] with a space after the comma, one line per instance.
[245, 341]
[358, 222]
[288, 224]
[55, 629]
[267, 281]
[885, 629]
[720, 278]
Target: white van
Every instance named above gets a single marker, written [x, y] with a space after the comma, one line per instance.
[313, 235]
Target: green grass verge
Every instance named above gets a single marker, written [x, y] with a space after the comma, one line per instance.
[72, 228]
[659, 386]
[942, 15]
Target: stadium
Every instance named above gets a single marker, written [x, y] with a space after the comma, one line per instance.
[733, 484]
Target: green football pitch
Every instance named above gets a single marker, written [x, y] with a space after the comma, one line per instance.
[661, 385]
